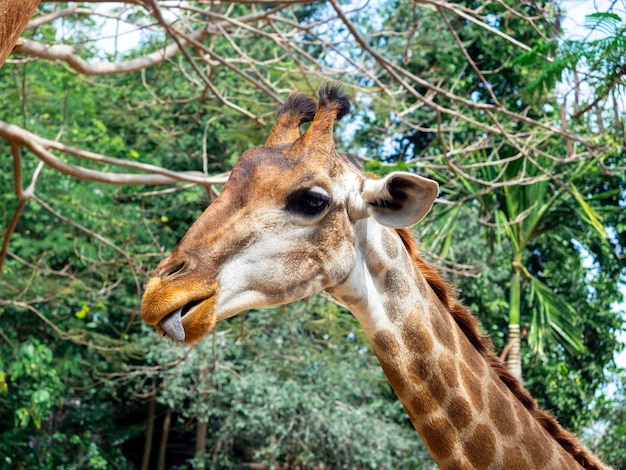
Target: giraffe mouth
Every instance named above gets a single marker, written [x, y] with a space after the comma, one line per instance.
[172, 324]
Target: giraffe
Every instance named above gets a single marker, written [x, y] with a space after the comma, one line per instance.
[296, 218]
[14, 16]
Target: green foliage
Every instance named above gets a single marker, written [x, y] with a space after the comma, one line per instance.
[52, 424]
[40, 386]
[378, 168]
[522, 214]
[551, 317]
[567, 384]
[612, 426]
[604, 57]
[296, 385]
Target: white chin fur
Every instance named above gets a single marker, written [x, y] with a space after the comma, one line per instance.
[230, 305]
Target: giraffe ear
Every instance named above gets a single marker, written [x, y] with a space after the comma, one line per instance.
[399, 199]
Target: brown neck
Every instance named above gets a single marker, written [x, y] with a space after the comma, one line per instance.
[470, 412]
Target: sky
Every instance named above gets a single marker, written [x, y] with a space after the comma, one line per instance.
[576, 10]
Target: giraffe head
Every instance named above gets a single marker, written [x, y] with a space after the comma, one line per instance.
[283, 227]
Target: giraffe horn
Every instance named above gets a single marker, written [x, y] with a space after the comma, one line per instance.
[297, 109]
[333, 105]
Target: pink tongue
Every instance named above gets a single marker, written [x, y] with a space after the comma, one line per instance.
[173, 326]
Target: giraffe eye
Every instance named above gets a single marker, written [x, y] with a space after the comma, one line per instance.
[309, 202]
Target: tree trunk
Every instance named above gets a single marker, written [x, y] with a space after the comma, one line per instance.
[513, 359]
[201, 428]
[147, 448]
[201, 431]
[164, 436]
[14, 16]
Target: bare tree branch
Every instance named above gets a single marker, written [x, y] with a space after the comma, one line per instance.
[160, 176]
[68, 54]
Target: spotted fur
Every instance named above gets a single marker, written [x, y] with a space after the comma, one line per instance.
[470, 327]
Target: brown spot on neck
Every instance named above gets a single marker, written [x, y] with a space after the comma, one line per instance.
[396, 283]
[416, 336]
[439, 437]
[386, 343]
[480, 448]
[460, 412]
[473, 387]
[391, 244]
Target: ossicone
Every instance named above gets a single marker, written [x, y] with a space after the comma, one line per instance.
[300, 108]
[297, 109]
[333, 105]
[332, 96]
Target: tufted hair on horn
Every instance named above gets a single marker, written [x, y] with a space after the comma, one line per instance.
[297, 109]
[333, 105]
[331, 96]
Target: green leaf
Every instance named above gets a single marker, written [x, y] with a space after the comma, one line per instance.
[588, 215]
[553, 319]
[439, 239]
[506, 226]
[22, 416]
[82, 313]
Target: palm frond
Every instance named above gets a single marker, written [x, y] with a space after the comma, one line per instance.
[553, 319]
[587, 214]
[604, 22]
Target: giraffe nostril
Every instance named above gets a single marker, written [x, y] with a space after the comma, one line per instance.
[173, 269]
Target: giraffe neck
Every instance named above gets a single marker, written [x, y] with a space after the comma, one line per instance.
[464, 412]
